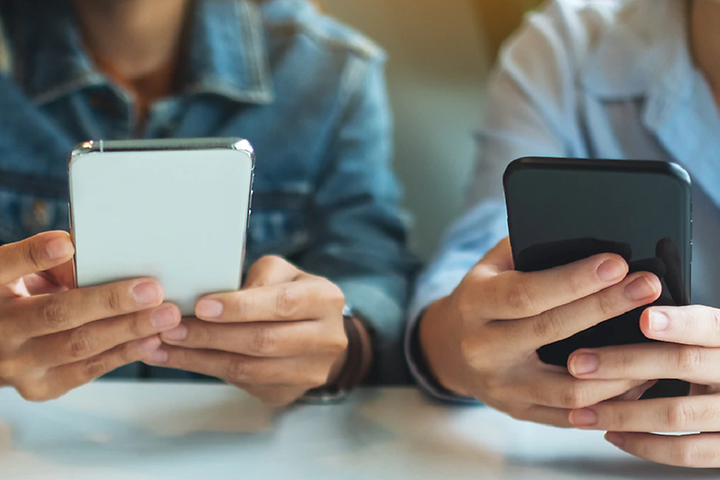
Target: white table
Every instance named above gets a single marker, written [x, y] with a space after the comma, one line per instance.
[109, 431]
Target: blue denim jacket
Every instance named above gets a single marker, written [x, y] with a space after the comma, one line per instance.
[307, 92]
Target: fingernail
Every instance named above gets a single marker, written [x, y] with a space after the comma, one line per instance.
[158, 356]
[146, 293]
[149, 344]
[616, 439]
[640, 289]
[59, 248]
[164, 318]
[583, 418]
[611, 270]
[659, 322]
[584, 363]
[209, 309]
[176, 334]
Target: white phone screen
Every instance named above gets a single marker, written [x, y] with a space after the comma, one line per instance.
[178, 215]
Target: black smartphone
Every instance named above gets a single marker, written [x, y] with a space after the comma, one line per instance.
[563, 210]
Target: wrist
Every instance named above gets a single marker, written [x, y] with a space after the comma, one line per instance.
[365, 347]
[338, 367]
[438, 349]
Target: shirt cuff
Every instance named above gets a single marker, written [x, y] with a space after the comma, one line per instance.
[442, 286]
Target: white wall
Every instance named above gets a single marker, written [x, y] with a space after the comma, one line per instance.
[436, 70]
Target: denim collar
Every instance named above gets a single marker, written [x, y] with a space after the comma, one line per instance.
[227, 56]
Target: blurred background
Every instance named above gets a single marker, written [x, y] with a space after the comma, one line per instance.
[440, 53]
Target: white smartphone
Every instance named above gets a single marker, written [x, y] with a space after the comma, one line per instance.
[174, 210]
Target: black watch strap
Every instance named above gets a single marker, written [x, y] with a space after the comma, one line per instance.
[350, 374]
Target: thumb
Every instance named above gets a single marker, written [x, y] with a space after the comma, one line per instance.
[35, 254]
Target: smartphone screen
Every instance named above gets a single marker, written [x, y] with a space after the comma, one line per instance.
[176, 210]
[563, 210]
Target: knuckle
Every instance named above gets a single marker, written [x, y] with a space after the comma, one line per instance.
[135, 328]
[55, 312]
[619, 361]
[241, 305]
[520, 299]
[620, 419]
[33, 255]
[678, 415]
[688, 454]
[607, 303]
[548, 325]
[264, 341]
[689, 360]
[79, 344]
[574, 397]
[94, 368]
[127, 353]
[114, 300]
[238, 371]
[198, 334]
[287, 302]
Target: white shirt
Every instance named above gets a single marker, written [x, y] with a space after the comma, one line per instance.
[591, 79]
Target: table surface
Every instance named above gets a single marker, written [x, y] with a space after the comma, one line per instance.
[148, 431]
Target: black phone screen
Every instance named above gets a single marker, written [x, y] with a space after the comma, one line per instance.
[563, 210]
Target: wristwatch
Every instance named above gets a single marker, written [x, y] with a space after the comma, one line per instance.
[349, 375]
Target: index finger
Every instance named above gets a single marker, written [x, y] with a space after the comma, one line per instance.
[515, 295]
[658, 415]
[46, 314]
[694, 325]
[635, 291]
[307, 299]
[692, 451]
[36, 254]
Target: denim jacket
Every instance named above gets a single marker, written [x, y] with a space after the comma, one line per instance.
[308, 93]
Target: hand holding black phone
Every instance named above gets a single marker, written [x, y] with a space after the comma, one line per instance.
[563, 210]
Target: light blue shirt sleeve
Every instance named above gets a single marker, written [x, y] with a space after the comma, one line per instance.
[531, 112]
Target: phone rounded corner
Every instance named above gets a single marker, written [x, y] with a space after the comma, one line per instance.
[81, 150]
[513, 167]
[244, 146]
[680, 174]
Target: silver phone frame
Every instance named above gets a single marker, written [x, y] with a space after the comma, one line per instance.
[93, 147]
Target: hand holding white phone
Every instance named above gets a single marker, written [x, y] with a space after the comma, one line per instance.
[174, 210]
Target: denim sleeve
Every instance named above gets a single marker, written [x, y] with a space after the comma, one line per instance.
[360, 232]
[531, 112]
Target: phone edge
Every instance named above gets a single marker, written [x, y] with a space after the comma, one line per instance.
[85, 149]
